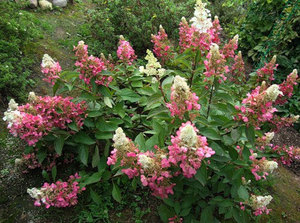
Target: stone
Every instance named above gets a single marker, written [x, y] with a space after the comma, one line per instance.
[60, 3]
[33, 4]
[44, 4]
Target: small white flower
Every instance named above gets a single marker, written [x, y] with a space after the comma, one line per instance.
[47, 61]
[145, 161]
[201, 19]
[35, 193]
[120, 139]
[269, 136]
[260, 201]
[31, 96]
[294, 74]
[188, 136]
[180, 87]
[272, 92]
[270, 166]
[12, 105]
[153, 67]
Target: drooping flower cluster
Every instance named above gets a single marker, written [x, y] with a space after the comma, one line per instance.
[31, 161]
[50, 68]
[259, 204]
[215, 65]
[287, 154]
[201, 20]
[188, 149]
[265, 140]
[230, 47]
[267, 72]
[90, 67]
[182, 99]
[148, 166]
[262, 167]
[258, 107]
[287, 87]
[280, 122]
[238, 69]
[125, 51]
[153, 67]
[162, 46]
[36, 119]
[191, 38]
[59, 194]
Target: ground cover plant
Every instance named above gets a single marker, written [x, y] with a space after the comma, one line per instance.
[188, 125]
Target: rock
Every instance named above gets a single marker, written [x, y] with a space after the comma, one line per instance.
[44, 4]
[60, 3]
[33, 4]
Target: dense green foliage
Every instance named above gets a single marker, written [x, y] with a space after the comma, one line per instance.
[136, 20]
[18, 29]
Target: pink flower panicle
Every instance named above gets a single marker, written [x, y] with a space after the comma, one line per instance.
[182, 99]
[162, 46]
[287, 154]
[267, 72]
[191, 38]
[150, 167]
[256, 108]
[59, 194]
[90, 67]
[51, 69]
[38, 117]
[215, 30]
[216, 64]
[238, 70]
[188, 149]
[287, 88]
[125, 51]
[32, 162]
[230, 47]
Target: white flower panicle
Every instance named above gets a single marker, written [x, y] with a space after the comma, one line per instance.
[236, 38]
[153, 67]
[269, 136]
[260, 201]
[272, 92]
[47, 61]
[12, 105]
[202, 18]
[180, 87]
[295, 118]
[294, 74]
[12, 114]
[120, 139]
[270, 166]
[188, 136]
[35, 193]
[145, 161]
[273, 61]
[214, 51]
[32, 96]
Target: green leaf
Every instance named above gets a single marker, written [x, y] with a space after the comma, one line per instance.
[93, 178]
[250, 133]
[243, 193]
[73, 126]
[210, 133]
[95, 197]
[116, 194]
[96, 157]
[129, 95]
[41, 155]
[83, 138]
[201, 174]
[103, 135]
[45, 175]
[207, 215]
[151, 142]
[140, 140]
[59, 144]
[165, 212]
[83, 154]
[53, 173]
[235, 134]
[107, 101]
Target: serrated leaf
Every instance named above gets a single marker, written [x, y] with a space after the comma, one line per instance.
[250, 133]
[107, 101]
[53, 173]
[96, 157]
[243, 193]
[83, 154]
[59, 144]
[83, 138]
[116, 194]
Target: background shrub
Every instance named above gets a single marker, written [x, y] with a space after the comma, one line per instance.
[18, 28]
[136, 20]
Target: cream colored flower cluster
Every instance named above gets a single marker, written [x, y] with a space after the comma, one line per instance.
[258, 202]
[47, 61]
[153, 67]
[12, 113]
[121, 142]
[272, 92]
[202, 18]
[188, 137]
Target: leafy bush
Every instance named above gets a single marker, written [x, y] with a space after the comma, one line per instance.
[201, 143]
[18, 28]
[135, 19]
